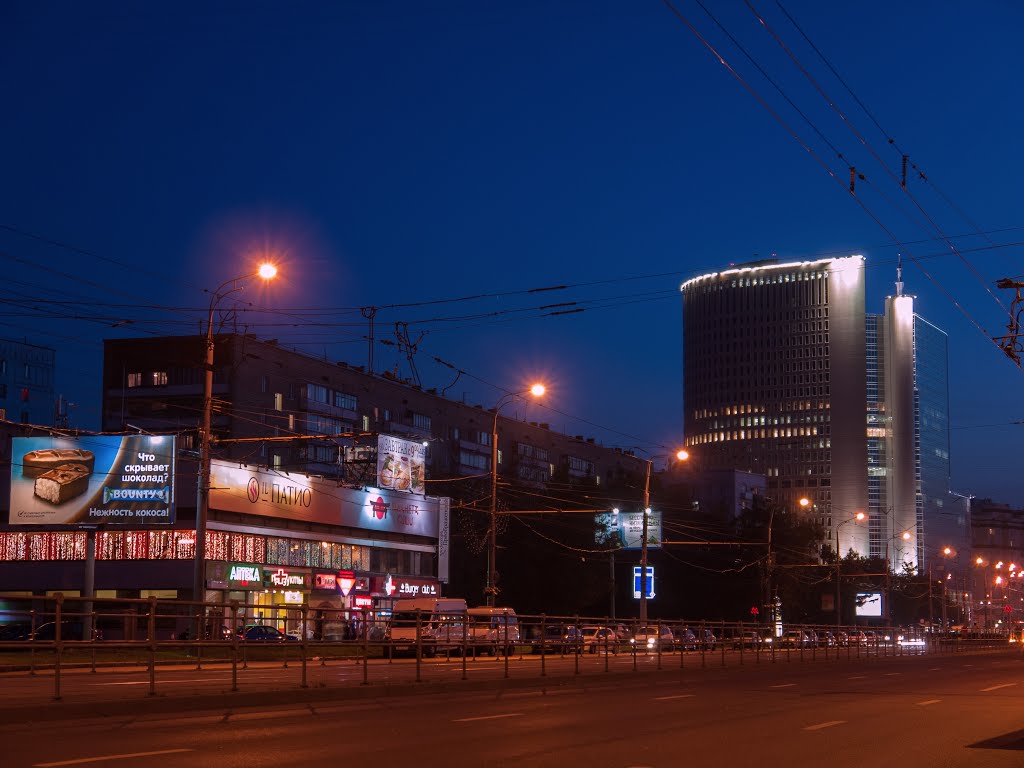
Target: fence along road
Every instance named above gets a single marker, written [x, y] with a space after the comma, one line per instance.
[57, 650]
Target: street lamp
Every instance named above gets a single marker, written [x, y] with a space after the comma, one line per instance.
[681, 455]
[266, 271]
[491, 588]
[839, 558]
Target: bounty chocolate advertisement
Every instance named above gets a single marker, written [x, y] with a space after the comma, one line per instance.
[125, 479]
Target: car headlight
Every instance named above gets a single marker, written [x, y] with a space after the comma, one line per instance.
[650, 642]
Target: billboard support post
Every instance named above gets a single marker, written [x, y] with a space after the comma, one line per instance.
[89, 583]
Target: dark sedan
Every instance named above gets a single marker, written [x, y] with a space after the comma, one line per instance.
[264, 633]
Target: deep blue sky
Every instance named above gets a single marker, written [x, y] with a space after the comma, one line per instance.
[412, 151]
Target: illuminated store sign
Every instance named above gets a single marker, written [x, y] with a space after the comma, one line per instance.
[256, 491]
[325, 581]
[401, 586]
[280, 578]
[245, 573]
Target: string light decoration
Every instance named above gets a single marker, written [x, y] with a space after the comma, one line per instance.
[13, 546]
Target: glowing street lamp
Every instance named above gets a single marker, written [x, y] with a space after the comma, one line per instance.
[491, 587]
[681, 455]
[839, 558]
[266, 271]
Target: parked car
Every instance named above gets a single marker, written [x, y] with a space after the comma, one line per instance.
[685, 638]
[856, 637]
[556, 638]
[16, 630]
[264, 633]
[706, 639]
[69, 630]
[795, 638]
[654, 638]
[750, 639]
[594, 639]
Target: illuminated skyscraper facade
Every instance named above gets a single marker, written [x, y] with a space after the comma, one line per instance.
[775, 382]
[912, 517]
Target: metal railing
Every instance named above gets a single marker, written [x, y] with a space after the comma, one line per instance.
[147, 635]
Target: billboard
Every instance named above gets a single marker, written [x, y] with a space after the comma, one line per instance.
[274, 493]
[400, 464]
[124, 479]
[626, 530]
[869, 604]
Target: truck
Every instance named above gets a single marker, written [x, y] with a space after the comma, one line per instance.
[437, 623]
[493, 630]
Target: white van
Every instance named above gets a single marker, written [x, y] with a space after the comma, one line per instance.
[441, 623]
[493, 630]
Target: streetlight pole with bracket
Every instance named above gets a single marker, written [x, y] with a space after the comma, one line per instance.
[839, 576]
[267, 272]
[491, 587]
[681, 455]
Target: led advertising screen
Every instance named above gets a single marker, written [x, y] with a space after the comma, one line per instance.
[869, 604]
[125, 479]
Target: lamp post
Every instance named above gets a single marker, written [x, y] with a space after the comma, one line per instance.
[681, 455]
[839, 575]
[267, 272]
[491, 588]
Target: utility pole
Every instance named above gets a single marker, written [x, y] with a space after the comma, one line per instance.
[1011, 343]
[768, 573]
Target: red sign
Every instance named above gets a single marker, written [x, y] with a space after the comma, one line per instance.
[346, 580]
[362, 602]
[325, 581]
[754, 611]
[1007, 609]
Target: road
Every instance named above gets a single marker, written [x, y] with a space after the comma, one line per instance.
[905, 711]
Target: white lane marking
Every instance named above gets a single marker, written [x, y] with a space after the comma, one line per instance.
[926, 703]
[819, 726]
[103, 758]
[677, 696]
[486, 717]
[857, 677]
[935, 669]
[162, 682]
[784, 685]
[997, 687]
[892, 674]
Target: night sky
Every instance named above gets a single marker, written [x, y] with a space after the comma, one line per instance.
[405, 153]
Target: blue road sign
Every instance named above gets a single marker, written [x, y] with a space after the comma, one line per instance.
[636, 582]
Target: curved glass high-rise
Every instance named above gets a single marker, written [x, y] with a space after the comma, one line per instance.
[774, 382]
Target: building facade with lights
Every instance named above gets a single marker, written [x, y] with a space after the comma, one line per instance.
[780, 360]
[774, 382]
[26, 383]
[912, 515]
[294, 500]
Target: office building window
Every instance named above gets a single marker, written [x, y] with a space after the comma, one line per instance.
[134, 380]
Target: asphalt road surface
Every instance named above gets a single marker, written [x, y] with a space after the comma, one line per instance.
[965, 710]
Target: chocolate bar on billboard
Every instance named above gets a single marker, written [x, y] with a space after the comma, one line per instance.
[63, 483]
[36, 463]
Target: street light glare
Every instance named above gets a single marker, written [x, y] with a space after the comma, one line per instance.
[267, 271]
[538, 390]
[682, 455]
[906, 536]
[860, 515]
[804, 501]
